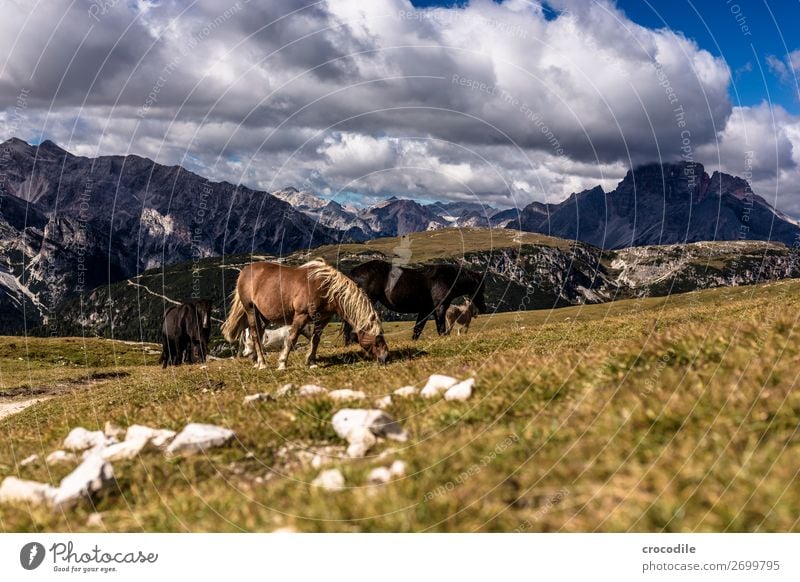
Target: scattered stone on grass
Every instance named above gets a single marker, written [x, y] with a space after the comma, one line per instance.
[28, 460]
[14, 490]
[360, 427]
[127, 449]
[198, 438]
[89, 478]
[330, 480]
[461, 391]
[59, 456]
[383, 403]
[437, 383]
[379, 476]
[80, 439]
[95, 520]
[158, 437]
[260, 397]
[406, 391]
[398, 469]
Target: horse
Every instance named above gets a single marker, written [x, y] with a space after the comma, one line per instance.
[461, 314]
[185, 330]
[313, 292]
[422, 290]
[273, 340]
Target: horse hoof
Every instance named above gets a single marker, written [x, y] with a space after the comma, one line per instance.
[312, 366]
[281, 367]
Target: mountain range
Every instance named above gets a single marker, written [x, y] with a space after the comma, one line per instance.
[71, 223]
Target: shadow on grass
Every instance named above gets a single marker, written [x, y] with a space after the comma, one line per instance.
[395, 355]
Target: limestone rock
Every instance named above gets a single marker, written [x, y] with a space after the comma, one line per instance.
[14, 490]
[330, 480]
[197, 438]
[28, 460]
[80, 439]
[60, 456]
[158, 437]
[379, 476]
[127, 449]
[90, 477]
[406, 391]
[437, 383]
[260, 397]
[461, 391]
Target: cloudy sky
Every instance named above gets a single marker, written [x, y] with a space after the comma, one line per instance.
[503, 102]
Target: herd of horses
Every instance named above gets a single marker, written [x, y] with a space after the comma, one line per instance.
[304, 299]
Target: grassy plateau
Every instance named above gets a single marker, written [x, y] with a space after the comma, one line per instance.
[677, 413]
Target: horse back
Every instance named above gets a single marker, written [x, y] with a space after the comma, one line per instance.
[277, 291]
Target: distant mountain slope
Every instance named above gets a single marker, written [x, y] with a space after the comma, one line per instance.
[663, 204]
[69, 223]
[523, 271]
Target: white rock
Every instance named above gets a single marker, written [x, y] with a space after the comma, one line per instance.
[406, 391]
[260, 397]
[95, 520]
[437, 383]
[80, 439]
[195, 438]
[59, 456]
[28, 460]
[90, 477]
[284, 390]
[398, 469]
[311, 390]
[461, 391]
[377, 421]
[346, 394]
[127, 449]
[361, 440]
[158, 437]
[14, 490]
[330, 480]
[379, 476]
[383, 403]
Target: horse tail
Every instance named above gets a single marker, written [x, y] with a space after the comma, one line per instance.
[237, 319]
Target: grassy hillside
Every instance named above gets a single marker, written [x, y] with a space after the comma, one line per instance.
[524, 271]
[669, 414]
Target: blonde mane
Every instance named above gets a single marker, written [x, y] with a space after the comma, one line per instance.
[354, 304]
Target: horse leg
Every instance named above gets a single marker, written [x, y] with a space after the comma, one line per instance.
[440, 314]
[253, 322]
[422, 319]
[316, 334]
[300, 319]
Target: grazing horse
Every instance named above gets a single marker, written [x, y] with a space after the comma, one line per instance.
[185, 331]
[314, 293]
[422, 290]
[273, 340]
[462, 315]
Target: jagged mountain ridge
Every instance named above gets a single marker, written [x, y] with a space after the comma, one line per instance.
[659, 204]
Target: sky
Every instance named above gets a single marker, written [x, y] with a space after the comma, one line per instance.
[498, 102]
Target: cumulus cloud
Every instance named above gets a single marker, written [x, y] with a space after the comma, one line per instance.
[489, 100]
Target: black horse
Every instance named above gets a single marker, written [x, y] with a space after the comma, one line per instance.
[426, 290]
[185, 332]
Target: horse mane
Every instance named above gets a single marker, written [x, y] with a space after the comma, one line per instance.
[354, 304]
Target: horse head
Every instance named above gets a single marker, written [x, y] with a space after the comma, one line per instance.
[374, 345]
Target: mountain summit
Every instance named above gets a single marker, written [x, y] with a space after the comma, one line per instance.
[658, 204]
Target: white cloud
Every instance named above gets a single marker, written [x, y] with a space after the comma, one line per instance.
[377, 97]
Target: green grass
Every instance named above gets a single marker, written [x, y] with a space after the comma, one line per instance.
[661, 414]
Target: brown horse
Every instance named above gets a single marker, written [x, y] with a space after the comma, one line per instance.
[313, 292]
